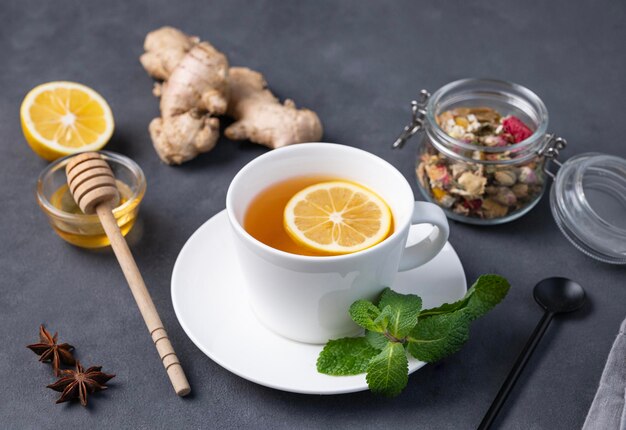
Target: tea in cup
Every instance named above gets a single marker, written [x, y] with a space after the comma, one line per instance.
[295, 287]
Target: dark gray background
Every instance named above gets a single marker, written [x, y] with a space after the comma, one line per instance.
[358, 64]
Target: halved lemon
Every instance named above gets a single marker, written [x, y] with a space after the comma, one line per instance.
[337, 217]
[62, 118]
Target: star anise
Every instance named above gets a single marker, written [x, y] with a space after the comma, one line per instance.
[77, 384]
[49, 350]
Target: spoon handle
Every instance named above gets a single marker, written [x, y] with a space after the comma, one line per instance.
[144, 301]
[516, 371]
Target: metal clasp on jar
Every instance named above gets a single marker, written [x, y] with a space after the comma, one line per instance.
[551, 151]
[418, 111]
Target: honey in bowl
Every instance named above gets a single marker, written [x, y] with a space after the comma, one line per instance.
[318, 216]
[91, 234]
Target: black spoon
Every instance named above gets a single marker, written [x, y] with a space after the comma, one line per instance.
[555, 295]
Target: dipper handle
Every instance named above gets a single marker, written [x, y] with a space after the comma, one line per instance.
[92, 184]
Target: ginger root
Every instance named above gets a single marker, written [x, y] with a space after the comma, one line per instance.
[196, 88]
[261, 118]
[198, 85]
[165, 48]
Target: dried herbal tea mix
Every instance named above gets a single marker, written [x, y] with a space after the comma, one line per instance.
[474, 189]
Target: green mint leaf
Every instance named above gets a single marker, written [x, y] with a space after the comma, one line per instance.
[382, 321]
[447, 308]
[377, 340]
[438, 336]
[364, 313]
[487, 291]
[401, 311]
[388, 372]
[347, 356]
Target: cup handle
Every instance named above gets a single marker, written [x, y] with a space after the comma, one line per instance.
[422, 252]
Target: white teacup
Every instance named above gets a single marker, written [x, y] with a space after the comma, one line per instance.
[307, 298]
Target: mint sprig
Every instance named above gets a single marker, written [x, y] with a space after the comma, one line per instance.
[397, 325]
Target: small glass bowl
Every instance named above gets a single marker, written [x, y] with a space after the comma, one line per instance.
[69, 222]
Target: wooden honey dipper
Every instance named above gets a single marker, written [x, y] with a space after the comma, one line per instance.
[92, 184]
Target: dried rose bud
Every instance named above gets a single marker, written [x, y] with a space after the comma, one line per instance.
[491, 190]
[505, 196]
[514, 126]
[508, 138]
[473, 204]
[527, 176]
[502, 141]
[492, 209]
[506, 177]
[520, 190]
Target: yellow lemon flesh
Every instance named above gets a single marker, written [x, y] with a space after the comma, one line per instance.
[62, 118]
[337, 218]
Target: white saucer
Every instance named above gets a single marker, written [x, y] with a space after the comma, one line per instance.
[208, 297]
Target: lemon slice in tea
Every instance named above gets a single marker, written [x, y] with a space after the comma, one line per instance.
[337, 217]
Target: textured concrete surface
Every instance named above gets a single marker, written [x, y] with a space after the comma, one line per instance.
[358, 64]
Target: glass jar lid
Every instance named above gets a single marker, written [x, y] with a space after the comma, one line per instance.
[588, 201]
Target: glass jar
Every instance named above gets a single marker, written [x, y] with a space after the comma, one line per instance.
[472, 181]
